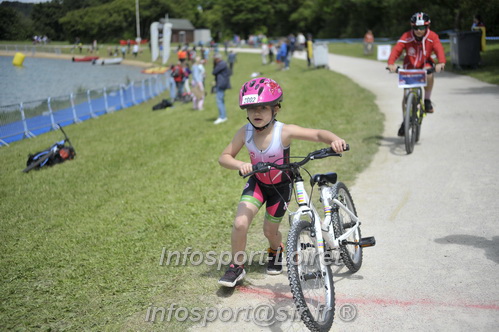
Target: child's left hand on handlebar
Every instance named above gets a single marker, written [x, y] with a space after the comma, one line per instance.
[339, 145]
[439, 67]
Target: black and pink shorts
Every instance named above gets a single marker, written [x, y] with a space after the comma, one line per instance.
[276, 196]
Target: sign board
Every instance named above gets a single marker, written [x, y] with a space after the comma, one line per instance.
[384, 52]
[411, 78]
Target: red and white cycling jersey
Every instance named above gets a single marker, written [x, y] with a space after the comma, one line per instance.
[275, 153]
[418, 53]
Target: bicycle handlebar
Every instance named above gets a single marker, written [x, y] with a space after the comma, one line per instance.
[428, 71]
[263, 167]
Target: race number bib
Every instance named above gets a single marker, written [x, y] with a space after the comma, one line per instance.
[249, 99]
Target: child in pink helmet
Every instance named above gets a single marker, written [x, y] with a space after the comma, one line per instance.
[267, 140]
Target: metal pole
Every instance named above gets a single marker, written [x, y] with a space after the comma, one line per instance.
[90, 108]
[52, 120]
[137, 17]
[27, 133]
[75, 117]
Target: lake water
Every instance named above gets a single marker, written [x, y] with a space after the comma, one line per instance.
[41, 78]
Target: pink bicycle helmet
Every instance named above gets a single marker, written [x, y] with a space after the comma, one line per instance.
[260, 91]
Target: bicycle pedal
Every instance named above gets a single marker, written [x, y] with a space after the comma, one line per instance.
[367, 242]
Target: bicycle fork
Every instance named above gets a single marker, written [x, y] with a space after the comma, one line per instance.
[308, 209]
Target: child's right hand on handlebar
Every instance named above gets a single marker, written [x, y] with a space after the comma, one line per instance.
[245, 168]
[392, 68]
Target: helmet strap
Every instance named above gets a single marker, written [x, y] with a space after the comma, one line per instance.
[268, 124]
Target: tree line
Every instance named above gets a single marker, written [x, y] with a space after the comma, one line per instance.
[111, 20]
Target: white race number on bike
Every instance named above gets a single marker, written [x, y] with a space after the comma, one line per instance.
[249, 99]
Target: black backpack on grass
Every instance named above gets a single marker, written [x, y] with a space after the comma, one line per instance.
[164, 104]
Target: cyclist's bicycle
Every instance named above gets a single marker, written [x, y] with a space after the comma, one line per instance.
[412, 80]
[315, 240]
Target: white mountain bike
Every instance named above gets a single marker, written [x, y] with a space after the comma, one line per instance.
[315, 240]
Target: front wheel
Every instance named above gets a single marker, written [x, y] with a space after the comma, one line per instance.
[351, 252]
[419, 123]
[313, 290]
[39, 161]
[410, 123]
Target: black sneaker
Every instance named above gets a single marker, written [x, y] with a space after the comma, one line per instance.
[401, 132]
[233, 274]
[428, 107]
[274, 265]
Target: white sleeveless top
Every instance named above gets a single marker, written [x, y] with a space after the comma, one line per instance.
[275, 153]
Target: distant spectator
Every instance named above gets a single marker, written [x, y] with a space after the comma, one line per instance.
[291, 44]
[478, 25]
[284, 54]
[231, 59]
[310, 49]
[171, 83]
[183, 54]
[368, 42]
[135, 50]
[222, 82]
[197, 82]
[272, 52]
[300, 41]
[265, 53]
[187, 73]
[178, 77]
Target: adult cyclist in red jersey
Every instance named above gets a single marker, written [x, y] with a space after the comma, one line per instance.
[419, 43]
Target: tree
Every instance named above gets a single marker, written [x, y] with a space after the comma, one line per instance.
[13, 25]
[109, 20]
[45, 19]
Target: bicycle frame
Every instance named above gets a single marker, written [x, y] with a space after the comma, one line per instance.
[323, 227]
[418, 92]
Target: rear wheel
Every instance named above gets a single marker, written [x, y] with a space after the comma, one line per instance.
[351, 253]
[410, 123]
[39, 161]
[313, 291]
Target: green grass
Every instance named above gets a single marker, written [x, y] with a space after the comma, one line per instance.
[487, 72]
[80, 243]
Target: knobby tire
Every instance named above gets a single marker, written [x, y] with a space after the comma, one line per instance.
[409, 123]
[38, 162]
[317, 315]
[350, 254]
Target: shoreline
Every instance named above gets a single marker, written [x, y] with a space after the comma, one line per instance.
[126, 62]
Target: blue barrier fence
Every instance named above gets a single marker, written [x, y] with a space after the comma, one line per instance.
[19, 121]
